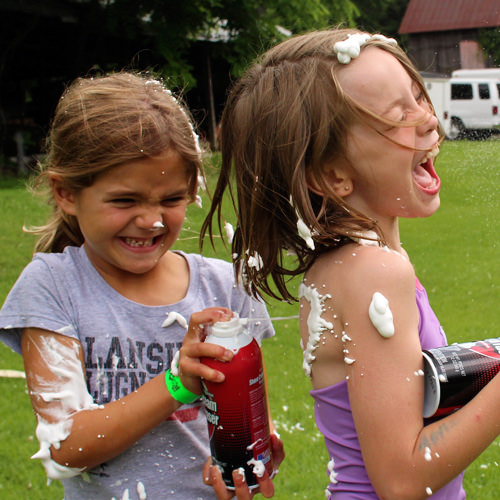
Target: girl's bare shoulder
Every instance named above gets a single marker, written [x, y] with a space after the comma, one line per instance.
[354, 265]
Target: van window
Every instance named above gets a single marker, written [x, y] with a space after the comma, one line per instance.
[461, 91]
[484, 91]
[498, 89]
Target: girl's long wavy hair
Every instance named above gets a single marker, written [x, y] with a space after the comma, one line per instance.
[285, 119]
[100, 123]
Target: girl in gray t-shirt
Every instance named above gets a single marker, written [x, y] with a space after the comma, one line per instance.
[105, 305]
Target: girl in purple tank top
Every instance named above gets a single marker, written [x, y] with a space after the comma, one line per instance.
[331, 138]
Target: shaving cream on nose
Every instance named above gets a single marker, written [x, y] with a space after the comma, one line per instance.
[381, 315]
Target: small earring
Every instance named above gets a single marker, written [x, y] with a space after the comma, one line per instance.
[346, 188]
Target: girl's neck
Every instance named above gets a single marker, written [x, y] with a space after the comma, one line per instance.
[390, 232]
[371, 238]
[167, 283]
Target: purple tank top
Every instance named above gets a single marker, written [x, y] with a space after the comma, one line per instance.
[348, 477]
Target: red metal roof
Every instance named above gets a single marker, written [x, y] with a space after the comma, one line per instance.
[444, 15]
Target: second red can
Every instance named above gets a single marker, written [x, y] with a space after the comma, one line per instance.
[456, 373]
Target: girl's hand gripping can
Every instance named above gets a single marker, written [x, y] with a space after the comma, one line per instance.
[237, 414]
[456, 373]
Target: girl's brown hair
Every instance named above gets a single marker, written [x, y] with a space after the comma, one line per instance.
[103, 122]
[285, 119]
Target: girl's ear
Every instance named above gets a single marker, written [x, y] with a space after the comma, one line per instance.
[65, 198]
[336, 176]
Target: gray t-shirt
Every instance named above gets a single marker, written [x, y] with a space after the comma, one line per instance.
[125, 344]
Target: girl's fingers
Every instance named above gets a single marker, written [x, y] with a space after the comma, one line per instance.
[277, 450]
[201, 318]
[241, 486]
[266, 486]
[213, 477]
[193, 368]
[189, 360]
[201, 349]
[193, 348]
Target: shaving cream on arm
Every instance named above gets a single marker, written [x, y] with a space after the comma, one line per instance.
[316, 325]
[381, 315]
[59, 397]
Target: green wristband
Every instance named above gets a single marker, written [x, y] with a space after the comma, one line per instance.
[178, 391]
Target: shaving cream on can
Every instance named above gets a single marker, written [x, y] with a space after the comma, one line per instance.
[236, 409]
[456, 373]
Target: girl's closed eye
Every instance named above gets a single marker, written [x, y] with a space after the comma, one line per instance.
[175, 199]
[420, 97]
[412, 113]
[123, 201]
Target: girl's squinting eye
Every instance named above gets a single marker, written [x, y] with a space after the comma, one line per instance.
[420, 97]
[122, 201]
[174, 200]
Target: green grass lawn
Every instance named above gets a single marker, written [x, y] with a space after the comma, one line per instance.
[455, 253]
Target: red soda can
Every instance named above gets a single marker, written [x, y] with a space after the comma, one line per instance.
[456, 373]
[236, 409]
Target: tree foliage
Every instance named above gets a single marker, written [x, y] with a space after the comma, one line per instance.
[489, 39]
[383, 16]
[246, 27]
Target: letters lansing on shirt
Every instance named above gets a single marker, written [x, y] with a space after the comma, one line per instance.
[125, 367]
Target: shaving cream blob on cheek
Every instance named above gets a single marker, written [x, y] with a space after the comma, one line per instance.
[381, 315]
[68, 394]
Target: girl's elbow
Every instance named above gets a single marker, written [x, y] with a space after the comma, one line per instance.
[53, 469]
[402, 488]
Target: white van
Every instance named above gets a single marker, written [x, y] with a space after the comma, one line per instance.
[439, 90]
[475, 106]
[476, 73]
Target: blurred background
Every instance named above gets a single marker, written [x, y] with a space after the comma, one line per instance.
[199, 47]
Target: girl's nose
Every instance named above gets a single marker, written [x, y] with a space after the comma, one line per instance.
[431, 124]
[151, 219]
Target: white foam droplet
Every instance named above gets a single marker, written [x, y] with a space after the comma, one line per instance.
[175, 316]
[381, 315]
[229, 232]
[258, 467]
[141, 491]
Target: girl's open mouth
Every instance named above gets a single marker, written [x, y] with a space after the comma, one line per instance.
[425, 175]
[145, 243]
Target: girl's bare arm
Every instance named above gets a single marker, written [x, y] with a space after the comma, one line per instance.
[75, 432]
[404, 459]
